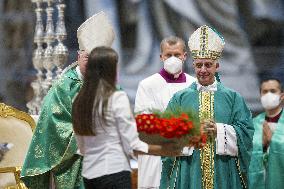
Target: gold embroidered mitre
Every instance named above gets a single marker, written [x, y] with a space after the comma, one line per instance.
[95, 31]
[206, 42]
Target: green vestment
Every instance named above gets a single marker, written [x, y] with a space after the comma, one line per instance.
[53, 147]
[267, 169]
[185, 172]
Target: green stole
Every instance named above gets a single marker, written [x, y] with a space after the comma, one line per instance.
[217, 171]
[267, 170]
[53, 147]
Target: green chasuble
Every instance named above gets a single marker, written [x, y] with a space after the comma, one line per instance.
[267, 169]
[204, 168]
[53, 147]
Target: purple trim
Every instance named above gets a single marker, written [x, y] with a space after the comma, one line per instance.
[170, 78]
[274, 119]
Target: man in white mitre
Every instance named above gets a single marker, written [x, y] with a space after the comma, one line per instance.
[223, 161]
[52, 156]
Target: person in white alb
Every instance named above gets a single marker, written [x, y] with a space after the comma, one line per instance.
[104, 126]
[154, 93]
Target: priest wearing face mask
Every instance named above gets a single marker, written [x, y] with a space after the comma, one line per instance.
[154, 93]
[266, 167]
[223, 162]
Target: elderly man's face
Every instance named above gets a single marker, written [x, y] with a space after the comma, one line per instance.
[205, 70]
[82, 61]
[172, 50]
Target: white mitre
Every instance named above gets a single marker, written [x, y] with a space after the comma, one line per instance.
[206, 42]
[94, 32]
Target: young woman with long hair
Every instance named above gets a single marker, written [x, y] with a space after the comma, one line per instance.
[104, 126]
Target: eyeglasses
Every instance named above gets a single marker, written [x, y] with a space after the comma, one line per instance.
[206, 64]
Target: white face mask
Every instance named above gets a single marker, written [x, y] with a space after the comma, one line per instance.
[173, 65]
[270, 100]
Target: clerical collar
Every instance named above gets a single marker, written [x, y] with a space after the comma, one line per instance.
[170, 78]
[79, 73]
[212, 87]
[275, 118]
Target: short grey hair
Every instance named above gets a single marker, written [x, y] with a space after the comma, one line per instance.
[172, 40]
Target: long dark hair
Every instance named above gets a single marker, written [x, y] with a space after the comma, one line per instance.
[99, 84]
